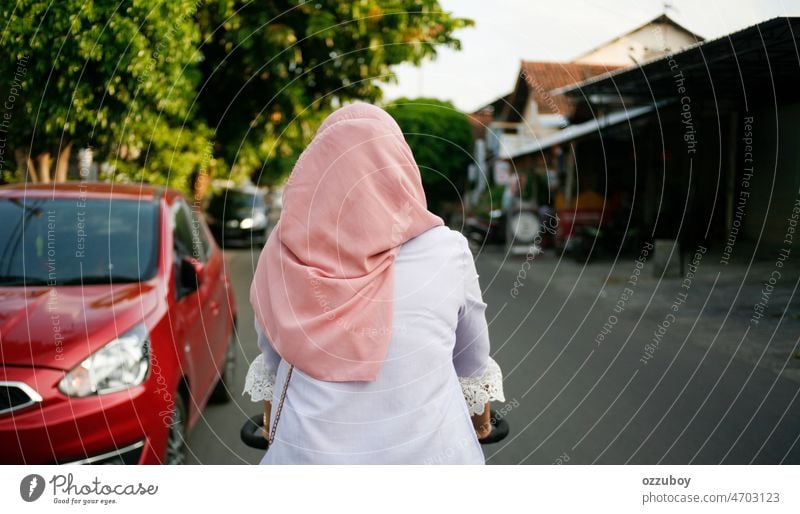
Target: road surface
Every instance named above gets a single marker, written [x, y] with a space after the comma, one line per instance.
[602, 367]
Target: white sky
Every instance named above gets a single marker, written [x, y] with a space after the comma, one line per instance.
[507, 31]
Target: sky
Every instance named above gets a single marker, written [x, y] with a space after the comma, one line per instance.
[508, 31]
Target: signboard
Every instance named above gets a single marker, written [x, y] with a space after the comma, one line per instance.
[502, 173]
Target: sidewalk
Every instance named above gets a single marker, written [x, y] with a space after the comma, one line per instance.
[756, 299]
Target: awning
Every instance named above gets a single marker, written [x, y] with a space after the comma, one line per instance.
[596, 125]
[756, 62]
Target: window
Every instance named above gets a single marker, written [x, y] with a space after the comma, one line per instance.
[190, 235]
[182, 227]
[190, 241]
[201, 248]
[69, 241]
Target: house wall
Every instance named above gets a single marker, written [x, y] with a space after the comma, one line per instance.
[716, 176]
[536, 125]
[652, 40]
[775, 186]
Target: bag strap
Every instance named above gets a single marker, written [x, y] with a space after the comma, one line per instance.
[280, 404]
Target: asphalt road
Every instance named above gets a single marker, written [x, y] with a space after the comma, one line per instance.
[680, 373]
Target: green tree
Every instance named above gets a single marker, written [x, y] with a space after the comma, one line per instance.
[117, 76]
[441, 138]
[273, 69]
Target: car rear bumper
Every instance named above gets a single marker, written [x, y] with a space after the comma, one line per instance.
[234, 236]
[121, 427]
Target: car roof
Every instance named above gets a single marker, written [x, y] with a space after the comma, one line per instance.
[89, 190]
[243, 190]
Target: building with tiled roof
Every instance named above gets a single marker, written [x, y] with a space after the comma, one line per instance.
[658, 37]
[532, 112]
[531, 99]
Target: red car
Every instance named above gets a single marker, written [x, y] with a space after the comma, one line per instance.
[116, 324]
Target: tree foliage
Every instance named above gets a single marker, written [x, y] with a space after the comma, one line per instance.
[274, 69]
[441, 138]
[160, 89]
[117, 76]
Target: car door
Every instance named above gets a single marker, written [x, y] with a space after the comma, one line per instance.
[218, 324]
[195, 310]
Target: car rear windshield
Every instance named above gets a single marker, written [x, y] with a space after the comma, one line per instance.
[74, 241]
[231, 202]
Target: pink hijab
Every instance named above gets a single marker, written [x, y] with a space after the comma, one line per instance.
[323, 288]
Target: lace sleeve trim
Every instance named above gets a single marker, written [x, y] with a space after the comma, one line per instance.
[487, 387]
[260, 381]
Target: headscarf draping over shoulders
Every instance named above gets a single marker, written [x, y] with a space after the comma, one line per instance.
[323, 288]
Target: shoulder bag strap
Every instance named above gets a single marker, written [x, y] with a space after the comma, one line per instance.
[280, 404]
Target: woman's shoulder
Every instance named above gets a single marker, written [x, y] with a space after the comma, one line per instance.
[434, 262]
[440, 239]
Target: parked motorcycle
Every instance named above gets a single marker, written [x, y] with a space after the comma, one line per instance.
[252, 432]
[523, 229]
[485, 229]
[590, 242]
[518, 228]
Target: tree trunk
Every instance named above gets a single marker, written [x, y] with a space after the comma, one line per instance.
[25, 164]
[62, 165]
[43, 164]
[201, 180]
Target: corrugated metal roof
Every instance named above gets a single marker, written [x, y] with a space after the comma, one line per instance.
[582, 129]
[737, 64]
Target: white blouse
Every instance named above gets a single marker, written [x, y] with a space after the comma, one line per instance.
[437, 373]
